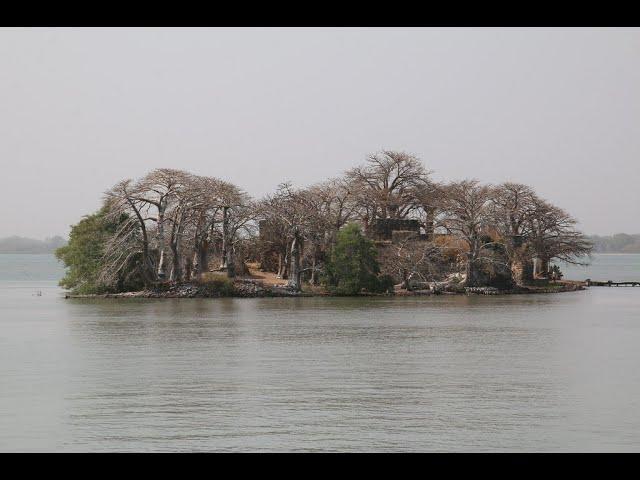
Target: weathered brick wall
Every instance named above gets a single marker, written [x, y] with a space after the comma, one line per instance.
[383, 228]
[522, 272]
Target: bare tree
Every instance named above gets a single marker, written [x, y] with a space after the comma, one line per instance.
[157, 188]
[132, 236]
[512, 206]
[185, 211]
[330, 205]
[388, 185]
[553, 236]
[467, 216]
[241, 226]
[288, 214]
[412, 259]
[232, 203]
[172, 217]
[212, 196]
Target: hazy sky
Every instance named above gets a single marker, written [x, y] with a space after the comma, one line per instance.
[80, 109]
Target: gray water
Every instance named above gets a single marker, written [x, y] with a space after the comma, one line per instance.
[557, 372]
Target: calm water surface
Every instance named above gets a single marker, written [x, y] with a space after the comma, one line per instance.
[537, 372]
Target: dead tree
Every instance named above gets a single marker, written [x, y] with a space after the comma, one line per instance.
[512, 205]
[387, 185]
[132, 236]
[289, 215]
[157, 189]
[467, 217]
[412, 259]
[553, 236]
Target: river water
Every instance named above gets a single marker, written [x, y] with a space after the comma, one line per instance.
[556, 372]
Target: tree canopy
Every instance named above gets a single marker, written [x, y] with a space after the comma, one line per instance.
[172, 226]
[84, 254]
[353, 265]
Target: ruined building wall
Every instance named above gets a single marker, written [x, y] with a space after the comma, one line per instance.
[383, 228]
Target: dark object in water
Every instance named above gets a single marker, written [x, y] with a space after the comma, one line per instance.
[609, 283]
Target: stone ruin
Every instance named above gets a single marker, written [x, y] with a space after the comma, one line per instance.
[396, 230]
[383, 228]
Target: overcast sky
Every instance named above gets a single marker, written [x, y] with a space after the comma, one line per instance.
[80, 109]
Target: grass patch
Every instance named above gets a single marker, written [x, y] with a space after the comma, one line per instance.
[217, 284]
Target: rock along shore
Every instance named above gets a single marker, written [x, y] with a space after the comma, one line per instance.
[244, 288]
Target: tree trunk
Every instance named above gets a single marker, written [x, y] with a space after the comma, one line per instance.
[472, 272]
[148, 268]
[367, 229]
[161, 242]
[405, 280]
[195, 265]
[176, 271]
[283, 270]
[231, 265]
[175, 266]
[188, 268]
[294, 273]
[203, 258]
[523, 271]
[313, 278]
[279, 274]
[225, 239]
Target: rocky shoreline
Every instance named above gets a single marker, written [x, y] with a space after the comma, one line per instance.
[255, 289]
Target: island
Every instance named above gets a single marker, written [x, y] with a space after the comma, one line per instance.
[384, 227]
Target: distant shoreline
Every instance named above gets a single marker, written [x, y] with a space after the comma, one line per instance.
[27, 253]
[16, 245]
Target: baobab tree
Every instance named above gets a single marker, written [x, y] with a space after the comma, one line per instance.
[203, 221]
[235, 215]
[157, 188]
[185, 202]
[330, 205]
[288, 215]
[336, 203]
[467, 216]
[512, 205]
[412, 258]
[132, 236]
[553, 236]
[212, 200]
[388, 184]
[240, 227]
[168, 223]
[185, 212]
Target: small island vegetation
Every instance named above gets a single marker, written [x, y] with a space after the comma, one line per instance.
[382, 227]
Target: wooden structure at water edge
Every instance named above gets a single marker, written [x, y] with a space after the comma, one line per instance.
[592, 283]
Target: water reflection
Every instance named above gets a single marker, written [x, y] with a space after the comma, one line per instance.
[283, 373]
[539, 372]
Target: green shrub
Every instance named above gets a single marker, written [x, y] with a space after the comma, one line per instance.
[353, 266]
[82, 257]
[217, 284]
